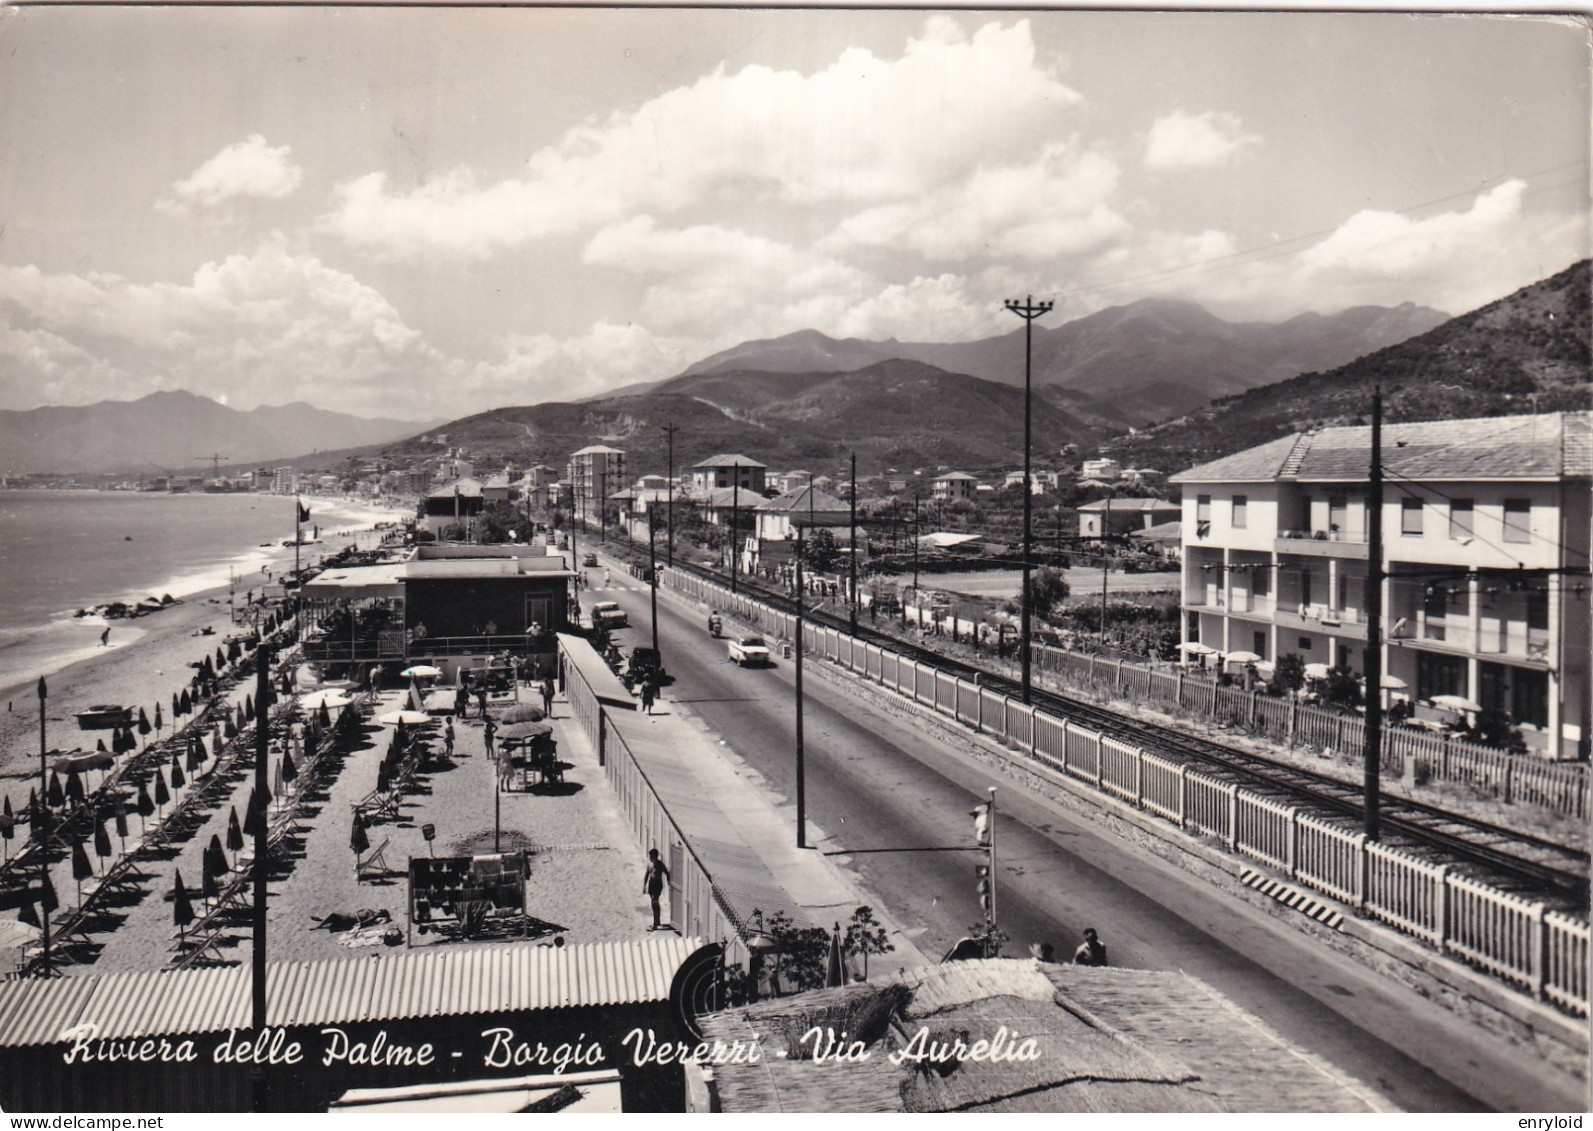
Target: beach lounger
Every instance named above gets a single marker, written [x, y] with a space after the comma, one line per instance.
[374, 866]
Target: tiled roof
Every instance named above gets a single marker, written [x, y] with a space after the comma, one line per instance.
[954, 475]
[1129, 504]
[464, 488]
[598, 450]
[1545, 446]
[422, 983]
[805, 498]
[725, 460]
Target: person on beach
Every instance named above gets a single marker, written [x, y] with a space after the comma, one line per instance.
[653, 882]
[1091, 952]
[481, 699]
[547, 697]
[462, 702]
[105, 637]
[488, 731]
[448, 739]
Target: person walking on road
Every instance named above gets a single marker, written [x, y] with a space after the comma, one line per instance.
[649, 694]
[606, 578]
[653, 882]
[1091, 952]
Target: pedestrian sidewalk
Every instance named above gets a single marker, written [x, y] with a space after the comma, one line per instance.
[741, 830]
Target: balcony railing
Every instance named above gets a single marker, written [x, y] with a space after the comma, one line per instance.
[1353, 536]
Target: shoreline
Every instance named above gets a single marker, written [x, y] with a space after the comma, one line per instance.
[134, 670]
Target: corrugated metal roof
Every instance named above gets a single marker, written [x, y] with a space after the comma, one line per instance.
[433, 982]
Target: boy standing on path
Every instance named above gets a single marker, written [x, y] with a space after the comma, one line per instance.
[448, 739]
[653, 882]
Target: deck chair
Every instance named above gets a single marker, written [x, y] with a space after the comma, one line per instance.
[374, 866]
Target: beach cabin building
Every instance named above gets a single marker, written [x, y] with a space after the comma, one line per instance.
[458, 503]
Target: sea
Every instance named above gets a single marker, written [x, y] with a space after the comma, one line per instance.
[62, 551]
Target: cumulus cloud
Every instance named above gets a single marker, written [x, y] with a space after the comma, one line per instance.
[271, 324]
[248, 168]
[1181, 140]
[865, 130]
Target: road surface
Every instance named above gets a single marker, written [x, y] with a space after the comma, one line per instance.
[893, 804]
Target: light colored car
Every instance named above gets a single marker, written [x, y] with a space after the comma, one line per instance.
[608, 614]
[749, 649]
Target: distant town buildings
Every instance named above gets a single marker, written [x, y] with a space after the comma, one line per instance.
[729, 470]
[595, 472]
[1120, 517]
[954, 486]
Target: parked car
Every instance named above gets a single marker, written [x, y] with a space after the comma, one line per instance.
[589, 560]
[608, 614]
[748, 649]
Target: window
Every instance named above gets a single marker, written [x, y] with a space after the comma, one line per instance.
[1338, 513]
[1305, 643]
[1261, 582]
[1202, 515]
[1529, 697]
[1305, 587]
[1241, 507]
[1410, 517]
[1460, 518]
[1518, 520]
[1258, 643]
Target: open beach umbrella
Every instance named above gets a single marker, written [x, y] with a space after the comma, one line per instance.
[1316, 671]
[1392, 683]
[357, 839]
[102, 840]
[234, 834]
[182, 911]
[522, 713]
[519, 732]
[81, 868]
[404, 718]
[53, 796]
[1242, 658]
[421, 671]
[1196, 648]
[16, 935]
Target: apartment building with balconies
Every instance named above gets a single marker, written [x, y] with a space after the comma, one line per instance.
[1485, 586]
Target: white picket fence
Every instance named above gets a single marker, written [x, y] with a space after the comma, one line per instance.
[1518, 940]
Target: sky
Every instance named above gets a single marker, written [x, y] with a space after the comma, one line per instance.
[426, 213]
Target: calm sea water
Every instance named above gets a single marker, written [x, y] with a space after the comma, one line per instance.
[65, 550]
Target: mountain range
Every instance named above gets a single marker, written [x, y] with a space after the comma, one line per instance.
[1526, 352]
[172, 431]
[1128, 365]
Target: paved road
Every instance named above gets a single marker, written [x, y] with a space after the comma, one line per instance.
[894, 804]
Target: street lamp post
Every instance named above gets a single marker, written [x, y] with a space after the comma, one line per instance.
[735, 519]
[1106, 561]
[1028, 310]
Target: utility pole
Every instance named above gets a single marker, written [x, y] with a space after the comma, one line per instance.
[735, 519]
[918, 533]
[1028, 310]
[852, 556]
[669, 432]
[1106, 561]
[801, 774]
[41, 831]
[257, 964]
[652, 581]
[1374, 620]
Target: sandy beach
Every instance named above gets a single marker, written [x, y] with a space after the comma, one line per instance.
[145, 661]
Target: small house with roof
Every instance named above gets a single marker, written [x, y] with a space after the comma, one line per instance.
[1118, 518]
[954, 486]
[729, 470]
[457, 503]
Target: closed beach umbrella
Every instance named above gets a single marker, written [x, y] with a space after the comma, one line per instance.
[99, 744]
[176, 706]
[186, 703]
[102, 840]
[233, 652]
[146, 807]
[159, 722]
[53, 796]
[29, 915]
[33, 806]
[208, 887]
[178, 780]
[234, 833]
[231, 727]
[162, 794]
[8, 827]
[216, 744]
[357, 840]
[248, 705]
[251, 814]
[144, 726]
[323, 717]
[48, 899]
[221, 658]
[74, 787]
[290, 772]
[384, 780]
[81, 868]
[121, 823]
[182, 911]
[215, 857]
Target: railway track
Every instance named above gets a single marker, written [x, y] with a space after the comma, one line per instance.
[1506, 858]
